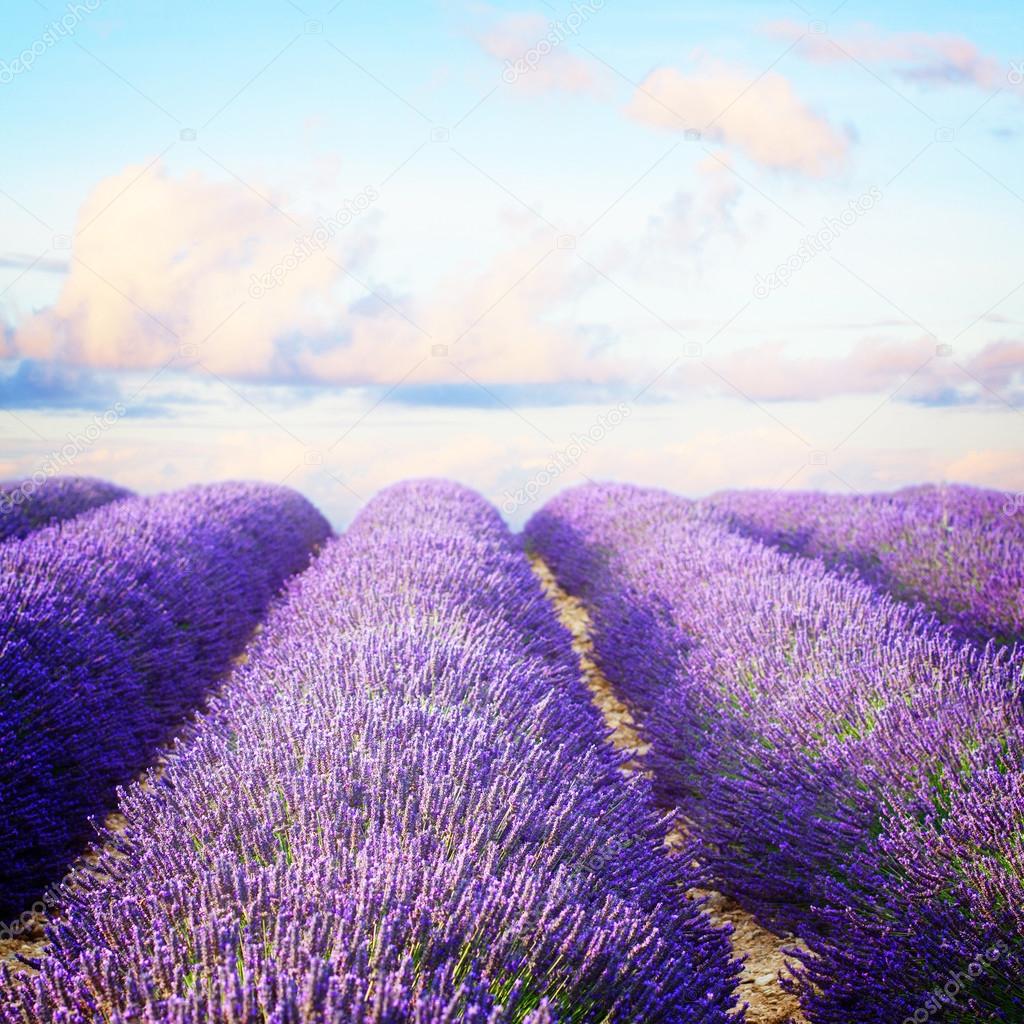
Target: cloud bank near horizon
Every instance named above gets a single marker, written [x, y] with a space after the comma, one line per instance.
[446, 243]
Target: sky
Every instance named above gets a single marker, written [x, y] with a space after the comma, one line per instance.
[338, 244]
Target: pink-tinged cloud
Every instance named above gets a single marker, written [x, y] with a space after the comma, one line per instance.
[162, 263]
[173, 272]
[939, 59]
[989, 467]
[906, 370]
[188, 271]
[765, 121]
[770, 372]
[535, 56]
[1000, 365]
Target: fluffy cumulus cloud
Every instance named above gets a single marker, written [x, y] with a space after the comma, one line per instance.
[495, 324]
[930, 58]
[205, 276]
[198, 273]
[163, 265]
[535, 52]
[765, 121]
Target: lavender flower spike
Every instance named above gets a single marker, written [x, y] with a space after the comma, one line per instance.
[113, 626]
[399, 809]
[26, 505]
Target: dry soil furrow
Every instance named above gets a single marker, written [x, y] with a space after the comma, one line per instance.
[762, 950]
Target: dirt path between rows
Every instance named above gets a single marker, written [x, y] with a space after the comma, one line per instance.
[764, 960]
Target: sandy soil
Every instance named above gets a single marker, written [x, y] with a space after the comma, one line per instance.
[764, 960]
[28, 943]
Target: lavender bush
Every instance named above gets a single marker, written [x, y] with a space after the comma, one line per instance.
[953, 548]
[854, 771]
[399, 809]
[112, 626]
[26, 506]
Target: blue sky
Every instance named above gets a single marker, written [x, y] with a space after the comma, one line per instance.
[513, 254]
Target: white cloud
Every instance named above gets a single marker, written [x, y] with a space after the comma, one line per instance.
[764, 119]
[536, 55]
[163, 269]
[931, 58]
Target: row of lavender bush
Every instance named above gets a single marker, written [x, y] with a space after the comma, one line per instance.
[112, 626]
[954, 548]
[26, 505]
[855, 771]
[399, 809]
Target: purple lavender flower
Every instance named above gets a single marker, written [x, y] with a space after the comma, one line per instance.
[853, 770]
[398, 809]
[951, 547]
[26, 505]
[113, 626]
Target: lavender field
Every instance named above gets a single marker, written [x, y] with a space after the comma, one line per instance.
[755, 757]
